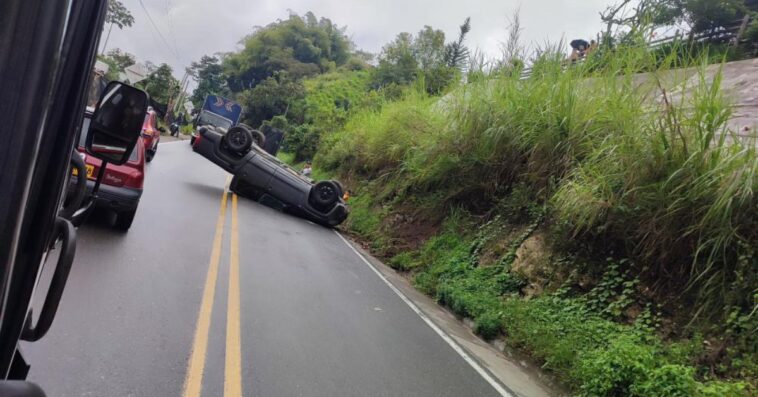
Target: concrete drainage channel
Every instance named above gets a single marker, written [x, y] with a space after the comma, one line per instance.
[510, 375]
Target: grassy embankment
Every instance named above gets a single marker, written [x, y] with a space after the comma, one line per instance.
[603, 225]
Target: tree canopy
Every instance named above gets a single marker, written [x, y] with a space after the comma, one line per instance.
[117, 61]
[210, 78]
[160, 84]
[118, 14]
[300, 46]
[425, 55]
[699, 15]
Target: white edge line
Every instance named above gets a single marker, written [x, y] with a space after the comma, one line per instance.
[176, 141]
[458, 349]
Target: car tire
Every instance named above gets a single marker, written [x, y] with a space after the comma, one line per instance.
[259, 138]
[238, 139]
[341, 191]
[149, 154]
[124, 220]
[324, 194]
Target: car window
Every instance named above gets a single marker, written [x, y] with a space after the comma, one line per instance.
[85, 129]
[214, 120]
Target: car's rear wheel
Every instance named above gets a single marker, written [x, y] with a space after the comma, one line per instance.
[239, 139]
[258, 137]
[324, 194]
[124, 220]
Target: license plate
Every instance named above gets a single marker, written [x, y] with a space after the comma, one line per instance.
[90, 170]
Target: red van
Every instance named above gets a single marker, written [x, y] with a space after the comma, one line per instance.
[121, 187]
[151, 134]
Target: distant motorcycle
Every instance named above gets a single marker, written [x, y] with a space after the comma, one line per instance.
[174, 128]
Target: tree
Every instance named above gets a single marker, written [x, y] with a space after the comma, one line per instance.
[210, 78]
[707, 15]
[117, 61]
[429, 48]
[397, 63]
[425, 55]
[299, 46]
[118, 14]
[456, 54]
[161, 84]
[278, 95]
[700, 15]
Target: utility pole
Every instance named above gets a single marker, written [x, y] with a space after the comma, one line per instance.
[105, 43]
[174, 99]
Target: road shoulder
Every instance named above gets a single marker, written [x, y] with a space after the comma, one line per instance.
[518, 375]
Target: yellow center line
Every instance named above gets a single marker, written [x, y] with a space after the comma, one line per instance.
[233, 365]
[194, 381]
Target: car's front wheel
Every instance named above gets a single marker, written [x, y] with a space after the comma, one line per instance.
[124, 220]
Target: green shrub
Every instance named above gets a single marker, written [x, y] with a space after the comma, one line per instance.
[616, 369]
[667, 380]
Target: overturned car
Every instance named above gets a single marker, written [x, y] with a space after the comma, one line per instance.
[260, 176]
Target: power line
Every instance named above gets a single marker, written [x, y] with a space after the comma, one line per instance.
[171, 33]
[155, 27]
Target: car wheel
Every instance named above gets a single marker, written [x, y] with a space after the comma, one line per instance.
[149, 154]
[238, 139]
[260, 139]
[124, 220]
[341, 190]
[324, 194]
[192, 140]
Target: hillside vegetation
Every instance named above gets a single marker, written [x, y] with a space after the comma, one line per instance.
[601, 225]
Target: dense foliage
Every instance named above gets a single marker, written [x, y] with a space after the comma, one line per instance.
[117, 61]
[210, 78]
[160, 83]
[300, 46]
[426, 56]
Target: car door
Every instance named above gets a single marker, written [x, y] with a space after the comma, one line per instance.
[288, 187]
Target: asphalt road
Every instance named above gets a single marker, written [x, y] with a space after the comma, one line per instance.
[212, 295]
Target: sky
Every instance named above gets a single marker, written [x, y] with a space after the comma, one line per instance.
[190, 29]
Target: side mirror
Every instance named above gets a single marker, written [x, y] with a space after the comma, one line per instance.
[117, 123]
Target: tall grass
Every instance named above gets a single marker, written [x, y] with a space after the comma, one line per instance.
[644, 164]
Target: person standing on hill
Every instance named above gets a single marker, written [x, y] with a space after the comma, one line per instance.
[579, 49]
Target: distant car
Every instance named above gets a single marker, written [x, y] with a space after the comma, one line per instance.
[151, 134]
[121, 187]
[263, 177]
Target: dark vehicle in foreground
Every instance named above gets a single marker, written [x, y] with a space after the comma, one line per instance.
[46, 61]
[121, 187]
[261, 176]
